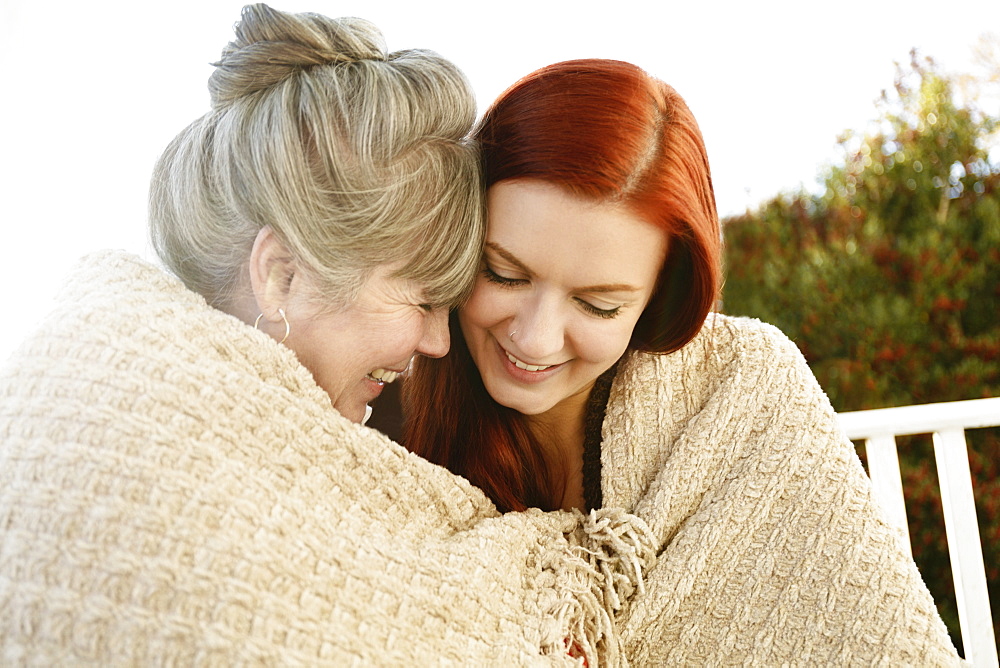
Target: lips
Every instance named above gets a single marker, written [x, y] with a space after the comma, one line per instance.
[382, 376]
[527, 367]
[524, 371]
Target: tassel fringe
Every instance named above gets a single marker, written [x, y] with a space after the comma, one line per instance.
[611, 551]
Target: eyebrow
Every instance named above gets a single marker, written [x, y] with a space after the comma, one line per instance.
[510, 257]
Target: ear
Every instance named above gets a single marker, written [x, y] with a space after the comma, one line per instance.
[271, 271]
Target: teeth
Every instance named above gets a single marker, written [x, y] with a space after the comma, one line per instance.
[383, 375]
[527, 367]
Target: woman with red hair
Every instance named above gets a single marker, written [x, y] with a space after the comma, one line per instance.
[588, 370]
[601, 139]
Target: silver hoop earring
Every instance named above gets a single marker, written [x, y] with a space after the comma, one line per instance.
[288, 328]
[511, 335]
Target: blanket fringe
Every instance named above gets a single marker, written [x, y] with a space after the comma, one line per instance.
[611, 551]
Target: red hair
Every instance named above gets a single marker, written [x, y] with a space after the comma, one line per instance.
[607, 131]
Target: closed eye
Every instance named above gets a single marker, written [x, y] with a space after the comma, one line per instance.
[598, 312]
[494, 277]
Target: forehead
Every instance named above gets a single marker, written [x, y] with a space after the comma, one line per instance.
[385, 284]
[554, 230]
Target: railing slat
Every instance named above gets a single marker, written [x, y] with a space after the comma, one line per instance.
[965, 547]
[887, 484]
[947, 422]
[923, 419]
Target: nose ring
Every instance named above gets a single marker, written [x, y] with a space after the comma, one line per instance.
[511, 335]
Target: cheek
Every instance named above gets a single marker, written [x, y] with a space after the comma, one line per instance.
[486, 307]
[398, 336]
[606, 343]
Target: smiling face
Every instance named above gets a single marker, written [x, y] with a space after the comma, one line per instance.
[569, 278]
[353, 351]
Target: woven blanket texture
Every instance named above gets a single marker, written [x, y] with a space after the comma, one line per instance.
[175, 489]
[771, 548]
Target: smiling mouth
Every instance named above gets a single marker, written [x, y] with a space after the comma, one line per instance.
[527, 367]
[383, 376]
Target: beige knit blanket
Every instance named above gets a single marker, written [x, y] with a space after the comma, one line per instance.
[771, 549]
[175, 489]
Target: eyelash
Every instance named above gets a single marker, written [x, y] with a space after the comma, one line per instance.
[494, 277]
[606, 314]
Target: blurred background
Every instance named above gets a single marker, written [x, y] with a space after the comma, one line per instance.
[887, 276]
[93, 92]
[853, 147]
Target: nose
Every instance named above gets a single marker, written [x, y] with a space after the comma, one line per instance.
[435, 340]
[540, 330]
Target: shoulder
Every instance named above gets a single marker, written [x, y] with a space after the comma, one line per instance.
[733, 362]
[127, 340]
[745, 335]
[724, 344]
[116, 274]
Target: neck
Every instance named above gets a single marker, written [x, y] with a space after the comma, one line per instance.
[560, 431]
[244, 308]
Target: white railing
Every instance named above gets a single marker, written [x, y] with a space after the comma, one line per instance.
[947, 422]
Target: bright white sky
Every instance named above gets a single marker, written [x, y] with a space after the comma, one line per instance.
[93, 91]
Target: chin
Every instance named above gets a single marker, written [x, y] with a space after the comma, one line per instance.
[525, 405]
[354, 414]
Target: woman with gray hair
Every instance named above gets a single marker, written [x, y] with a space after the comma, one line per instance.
[343, 174]
[183, 478]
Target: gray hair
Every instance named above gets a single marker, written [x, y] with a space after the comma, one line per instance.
[354, 156]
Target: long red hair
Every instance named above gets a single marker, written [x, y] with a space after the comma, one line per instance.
[608, 131]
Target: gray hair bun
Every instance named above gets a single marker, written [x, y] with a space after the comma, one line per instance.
[354, 157]
[272, 45]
